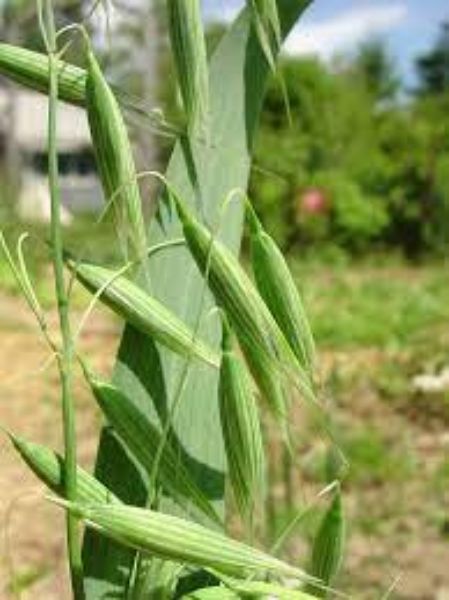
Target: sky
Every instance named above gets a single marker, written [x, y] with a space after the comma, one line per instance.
[408, 27]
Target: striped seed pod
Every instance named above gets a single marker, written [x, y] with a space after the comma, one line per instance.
[141, 310]
[170, 537]
[261, 589]
[276, 286]
[328, 546]
[236, 589]
[190, 57]
[143, 440]
[49, 468]
[212, 593]
[241, 428]
[30, 69]
[268, 353]
[115, 160]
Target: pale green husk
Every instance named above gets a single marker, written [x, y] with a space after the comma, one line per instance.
[276, 286]
[48, 466]
[180, 540]
[138, 308]
[263, 343]
[30, 69]
[190, 57]
[328, 546]
[115, 160]
[241, 428]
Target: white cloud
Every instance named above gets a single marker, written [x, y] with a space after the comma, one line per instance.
[345, 30]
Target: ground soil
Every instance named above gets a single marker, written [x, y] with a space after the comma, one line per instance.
[407, 544]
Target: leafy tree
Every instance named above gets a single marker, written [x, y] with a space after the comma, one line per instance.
[433, 67]
[377, 68]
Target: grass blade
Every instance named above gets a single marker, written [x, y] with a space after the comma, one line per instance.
[268, 28]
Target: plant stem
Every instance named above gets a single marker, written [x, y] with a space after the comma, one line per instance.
[66, 354]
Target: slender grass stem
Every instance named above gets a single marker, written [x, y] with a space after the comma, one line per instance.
[66, 354]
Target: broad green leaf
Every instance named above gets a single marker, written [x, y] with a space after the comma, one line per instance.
[238, 74]
[143, 439]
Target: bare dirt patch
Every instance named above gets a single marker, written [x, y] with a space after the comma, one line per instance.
[397, 518]
[31, 542]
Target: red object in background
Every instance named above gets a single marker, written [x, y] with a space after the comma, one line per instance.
[313, 202]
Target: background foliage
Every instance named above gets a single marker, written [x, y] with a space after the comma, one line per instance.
[377, 152]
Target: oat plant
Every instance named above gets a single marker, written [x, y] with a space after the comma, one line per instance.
[207, 348]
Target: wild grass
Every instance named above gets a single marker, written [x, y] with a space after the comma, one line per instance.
[176, 433]
[141, 532]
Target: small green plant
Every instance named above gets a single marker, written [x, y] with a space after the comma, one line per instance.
[182, 413]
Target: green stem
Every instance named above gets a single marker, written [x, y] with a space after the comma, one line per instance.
[66, 354]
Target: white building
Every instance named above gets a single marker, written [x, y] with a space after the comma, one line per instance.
[80, 188]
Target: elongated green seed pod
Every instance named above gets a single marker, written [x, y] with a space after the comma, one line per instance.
[260, 589]
[328, 546]
[247, 589]
[263, 343]
[212, 593]
[180, 540]
[276, 286]
[48, 466]
[143, 439]
[241, 428]
[145, 313]
[30, 69]
[190, 57]
[115, 160]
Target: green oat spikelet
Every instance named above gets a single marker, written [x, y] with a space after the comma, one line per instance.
[48, 466]
[190, 57]
[268, 353]
[236, 589]
[180, 540]
[241, 428]
[115, 160]
[328, 546]
[276, 286]
[145, 313]
[30, 69]
[143, 439]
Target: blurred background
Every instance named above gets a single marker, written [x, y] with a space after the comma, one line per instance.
[351, 176]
